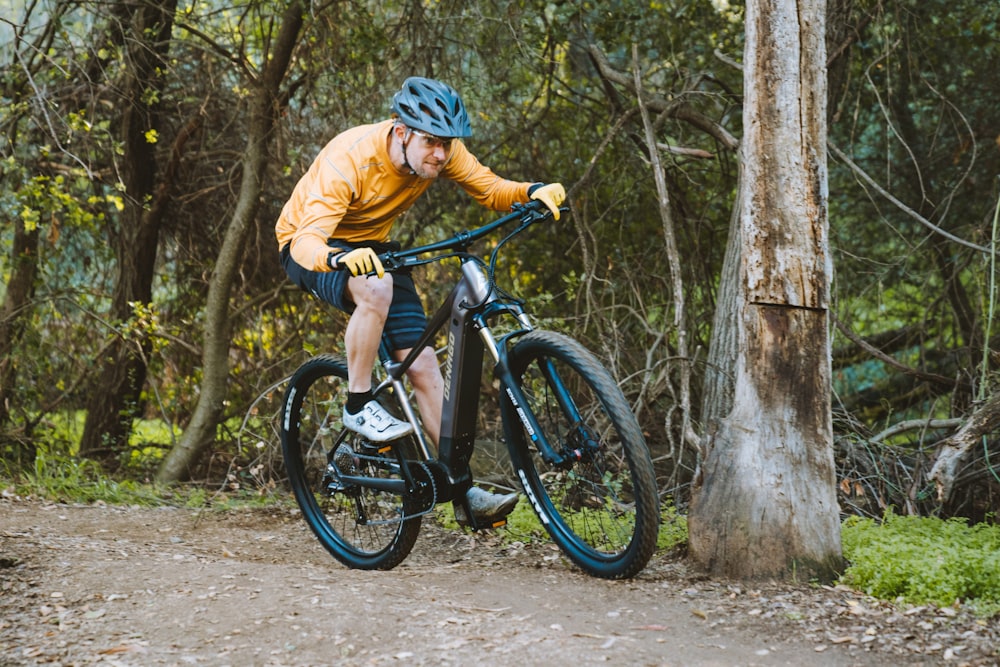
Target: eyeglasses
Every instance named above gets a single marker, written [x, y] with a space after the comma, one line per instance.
[432, 142]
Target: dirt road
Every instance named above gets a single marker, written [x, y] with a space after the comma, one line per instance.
[82, 585]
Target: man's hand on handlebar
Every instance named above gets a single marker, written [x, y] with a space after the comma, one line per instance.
[360, 262]
[552, 195]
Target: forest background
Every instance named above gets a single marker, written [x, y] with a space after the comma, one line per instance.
[147, 148]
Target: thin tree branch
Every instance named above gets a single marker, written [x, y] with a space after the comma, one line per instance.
[673, 256]
[913, 424]
[674, 109]
[888, 359]
[863, 175]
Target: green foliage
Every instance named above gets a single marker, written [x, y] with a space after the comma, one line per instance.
[673, 528]
[68, 479]
[58, 438]
[923, 560]
[524, 526]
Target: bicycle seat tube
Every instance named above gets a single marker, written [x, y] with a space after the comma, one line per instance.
[394, 371]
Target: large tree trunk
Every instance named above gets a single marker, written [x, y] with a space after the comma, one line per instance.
[121, 371]
[765, 504]
[200, 433]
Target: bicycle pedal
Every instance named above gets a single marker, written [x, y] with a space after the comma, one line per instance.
[485, 525]
[369, 448]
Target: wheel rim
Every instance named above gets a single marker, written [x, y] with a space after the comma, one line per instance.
[591, 503]
[361, 524]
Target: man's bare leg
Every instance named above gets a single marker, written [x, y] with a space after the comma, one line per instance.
[371, 297]
[363, 415]
[428, 385]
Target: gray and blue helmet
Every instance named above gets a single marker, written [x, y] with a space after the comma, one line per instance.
[432, 107]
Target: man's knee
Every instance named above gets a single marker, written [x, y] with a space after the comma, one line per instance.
[425, 368]
[371, 292]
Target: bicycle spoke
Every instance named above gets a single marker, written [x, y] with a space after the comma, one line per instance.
[361, 526]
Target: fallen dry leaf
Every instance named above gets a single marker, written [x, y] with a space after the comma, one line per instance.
[122, 648]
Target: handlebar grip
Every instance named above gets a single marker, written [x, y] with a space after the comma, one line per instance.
[537, 205]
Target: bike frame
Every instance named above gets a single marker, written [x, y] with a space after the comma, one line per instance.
[466, 312]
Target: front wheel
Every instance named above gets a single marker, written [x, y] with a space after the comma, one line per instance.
[362, 526]
[599, 505]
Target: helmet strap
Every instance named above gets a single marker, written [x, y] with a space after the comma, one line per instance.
[405, 141]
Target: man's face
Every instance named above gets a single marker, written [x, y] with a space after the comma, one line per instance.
[426, 153]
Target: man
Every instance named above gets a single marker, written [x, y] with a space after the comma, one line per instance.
[340, 215]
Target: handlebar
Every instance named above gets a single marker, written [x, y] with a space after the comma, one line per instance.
[528, 214]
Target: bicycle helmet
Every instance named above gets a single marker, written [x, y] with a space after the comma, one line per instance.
[432, 107]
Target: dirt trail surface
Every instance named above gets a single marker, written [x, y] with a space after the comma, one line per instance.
[82, 585]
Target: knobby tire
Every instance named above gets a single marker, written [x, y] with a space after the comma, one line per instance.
[602, 508]
[361, 527]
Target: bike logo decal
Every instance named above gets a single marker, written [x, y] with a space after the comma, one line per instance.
[522, 415]
[544, 516]
[288, 408]
[449, 365]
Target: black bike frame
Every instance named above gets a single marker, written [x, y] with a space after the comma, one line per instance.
[466, 312]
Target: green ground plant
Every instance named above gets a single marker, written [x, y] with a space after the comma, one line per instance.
[523, 526]
[924, 560]
[68, 479]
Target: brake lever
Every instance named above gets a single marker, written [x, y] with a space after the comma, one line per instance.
[536, 211]
[390, 262]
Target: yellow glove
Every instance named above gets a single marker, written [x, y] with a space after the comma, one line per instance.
[551, 195]
[360, 262]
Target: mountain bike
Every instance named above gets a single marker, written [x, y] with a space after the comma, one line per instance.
[574, 444]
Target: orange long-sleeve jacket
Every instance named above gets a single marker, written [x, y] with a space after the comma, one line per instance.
[354, 193]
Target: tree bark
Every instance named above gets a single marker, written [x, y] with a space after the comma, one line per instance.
[953, 451]
[200, 433]
[765, 504]
[15, 309]
[121, 373]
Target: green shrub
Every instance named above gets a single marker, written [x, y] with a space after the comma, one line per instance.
[673, 528]
[924, 560]
[67, 479]
[523, 525]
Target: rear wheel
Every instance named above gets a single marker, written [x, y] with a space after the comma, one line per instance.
[600, 505]
[362, 527]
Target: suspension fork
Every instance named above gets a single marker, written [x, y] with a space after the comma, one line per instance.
[514, 394]
[585, 439]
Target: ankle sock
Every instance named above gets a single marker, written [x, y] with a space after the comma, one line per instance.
[356, 401]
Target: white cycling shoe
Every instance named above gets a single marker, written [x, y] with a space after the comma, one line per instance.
[488, 508]
[376, 424]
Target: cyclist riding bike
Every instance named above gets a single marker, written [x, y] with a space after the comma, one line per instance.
[340, 216]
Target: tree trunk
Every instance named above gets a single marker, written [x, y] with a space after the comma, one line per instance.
[765, 504]
[121, 372]
[15, 310]
[200, 433]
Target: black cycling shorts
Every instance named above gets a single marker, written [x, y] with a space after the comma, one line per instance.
[407, 318]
